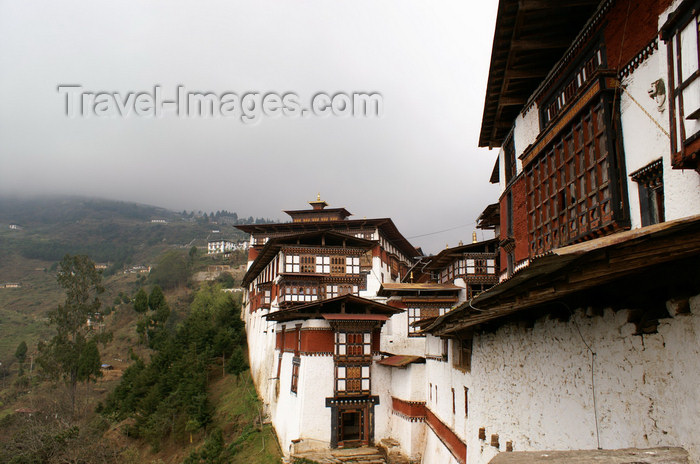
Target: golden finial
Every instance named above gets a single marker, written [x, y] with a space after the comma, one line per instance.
[411, 276]
[446, 246]
[474, 237]
[461, 243]
[318, 197]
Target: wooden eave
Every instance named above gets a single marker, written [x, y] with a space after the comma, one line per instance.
[385, 225]
[273, 246]
[578, 268]
[447, 255]
[490, 217]
[344, 304]
[530, 37]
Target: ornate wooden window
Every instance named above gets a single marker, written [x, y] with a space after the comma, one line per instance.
[352, 379]
[353, 344]
[352, 265]
[462, 353]
[323, 265]
[650, 180]
[333, 291]
[299, 292]
[509, 159]
[567, 92]
[415, 314]
[295, 374]
[337, 265]
[681, 36]
[307, 264]
[573, 186]
[291, 263]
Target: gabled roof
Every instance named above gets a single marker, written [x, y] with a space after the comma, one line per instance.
[349, 226]
[345, 305]
[578, 268]
[273, 246]
[341, 212]
[530, 37]
[446, 256]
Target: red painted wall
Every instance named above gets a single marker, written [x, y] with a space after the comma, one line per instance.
[642, 25]
[317, 341]
[456, 446]
[411, 409]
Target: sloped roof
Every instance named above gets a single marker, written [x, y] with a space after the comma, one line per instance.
[401, 360]
[577, 268]
[345, 305]
[530, 37]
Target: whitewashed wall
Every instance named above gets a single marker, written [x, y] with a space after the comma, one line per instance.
[533, 386]
[645, 142]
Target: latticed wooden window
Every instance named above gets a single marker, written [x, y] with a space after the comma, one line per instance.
[650, 183]
[352, 379]
[308, 263]
[337, 264]
[295, 375]
[354, 344]
[573, 184]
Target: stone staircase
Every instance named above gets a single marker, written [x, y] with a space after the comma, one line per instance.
[364, 455]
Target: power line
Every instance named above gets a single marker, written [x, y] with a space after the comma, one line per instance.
[441, 231]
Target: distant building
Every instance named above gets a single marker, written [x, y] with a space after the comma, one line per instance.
[12, 285]
[15, 227]
[224, 246]
[158, 221]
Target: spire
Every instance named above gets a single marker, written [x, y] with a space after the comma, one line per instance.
[318, 204]
[474, 237]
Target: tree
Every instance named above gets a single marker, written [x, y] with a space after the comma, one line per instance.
[72, 353]
[141, 301]
[21, 355]
[193, 254]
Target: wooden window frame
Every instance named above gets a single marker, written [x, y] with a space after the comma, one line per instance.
[296, 362]
[353, 385]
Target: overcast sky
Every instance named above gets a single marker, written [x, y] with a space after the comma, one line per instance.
[418, 163]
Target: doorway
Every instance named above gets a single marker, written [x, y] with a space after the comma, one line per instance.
[351, 427]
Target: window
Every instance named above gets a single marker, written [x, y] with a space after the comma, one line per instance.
[509, 212]
[353, 344]
[352, 379]
[567, 92]
[651, 192]
[573, 185]
[466, 402]
[416, 314]
[462, 354]
[352, 265]
[299, 292]
[430, 391]
[307, 264]
[337, 265]
[323, 265]
[291, 263]
[509, 158]
[681, 36]
[454, 410]
[333, 291]
[295, 374]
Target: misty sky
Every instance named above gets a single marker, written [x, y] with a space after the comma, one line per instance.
[418, 164]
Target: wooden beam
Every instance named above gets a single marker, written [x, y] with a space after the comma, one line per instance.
[538, 44]
[534, 5]
[511, 101]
